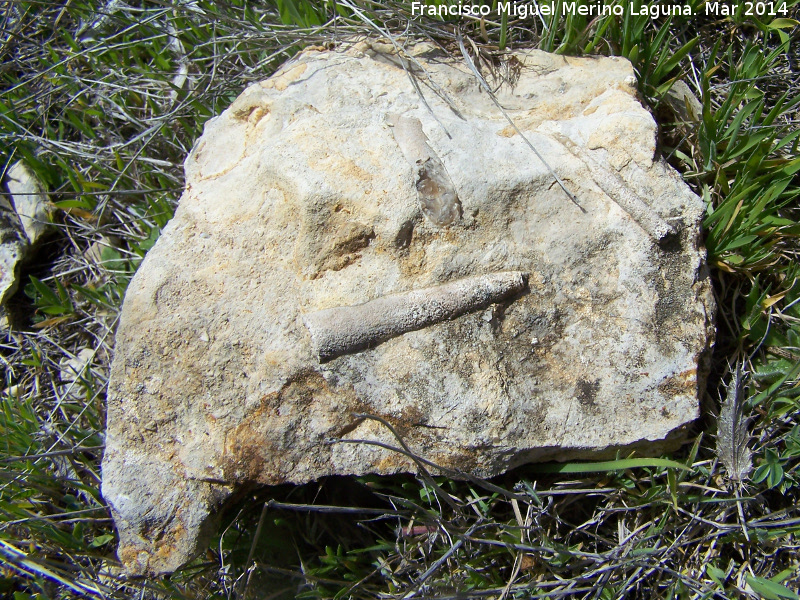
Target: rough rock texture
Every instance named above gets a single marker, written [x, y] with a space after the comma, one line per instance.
[30, 201]
[24, 220]
[12, 250]
[299, 198]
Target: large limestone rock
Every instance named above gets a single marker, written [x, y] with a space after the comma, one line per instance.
[341, 249]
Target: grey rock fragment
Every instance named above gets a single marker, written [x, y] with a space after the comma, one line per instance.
[24, 219]
[30, 201]
[680, 99]
[299, 199]
[73, 369]
[12, 251]
[13, 246]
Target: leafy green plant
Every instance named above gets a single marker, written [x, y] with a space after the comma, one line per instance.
[49, 302]
[743, 143]
[770, 471]
[771, 589]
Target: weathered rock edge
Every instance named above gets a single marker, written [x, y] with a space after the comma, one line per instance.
[298, 199]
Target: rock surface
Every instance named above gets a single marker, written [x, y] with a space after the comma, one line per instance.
[24, 220]
[299, 198]
[30, 201]
[12, 251]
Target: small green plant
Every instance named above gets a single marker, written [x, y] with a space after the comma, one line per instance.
[48, 301]
[772, 589]
[771, 470]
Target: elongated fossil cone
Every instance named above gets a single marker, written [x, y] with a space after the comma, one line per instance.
[436, 193]
[616, 189]
[349, 329]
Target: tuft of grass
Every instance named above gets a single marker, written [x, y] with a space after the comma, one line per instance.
[104, 100]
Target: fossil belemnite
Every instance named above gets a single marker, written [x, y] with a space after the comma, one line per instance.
[347, 329]
[616, 189]
[435, 190]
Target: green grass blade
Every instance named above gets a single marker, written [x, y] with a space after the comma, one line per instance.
[611, 465]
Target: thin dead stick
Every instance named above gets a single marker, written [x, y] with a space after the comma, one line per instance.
[71, 451]
[511, 122]
[16, 559]
[524, 525]
[403, 62]
[418, 459]
[549, 595]
[252, 552]
[513, 578]
[326, 508]
[421, 95]
[435, 566]
[423, 471]
[530, 548]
